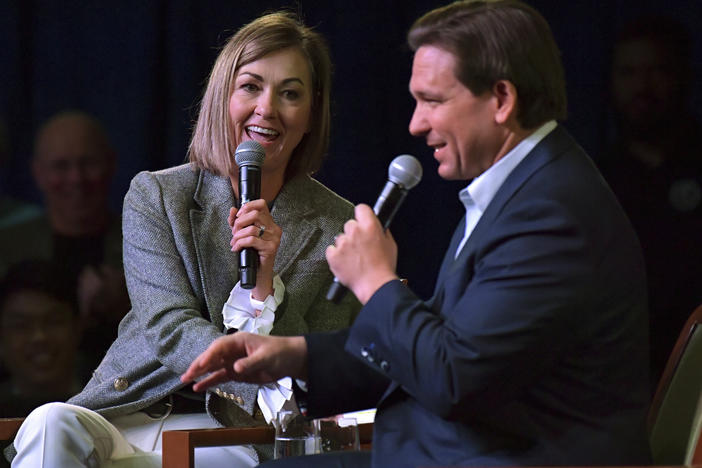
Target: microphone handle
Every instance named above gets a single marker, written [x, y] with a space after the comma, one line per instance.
[388, 203]
[249, 189]
[336, 291]
[247, 267]
[385, 207]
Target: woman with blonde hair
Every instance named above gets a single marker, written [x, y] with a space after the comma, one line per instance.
[183, 230]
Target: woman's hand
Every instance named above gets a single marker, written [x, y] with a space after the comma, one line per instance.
[253, 226]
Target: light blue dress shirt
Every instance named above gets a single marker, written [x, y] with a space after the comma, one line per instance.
[479, 193]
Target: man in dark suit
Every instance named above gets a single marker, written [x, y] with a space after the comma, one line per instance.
[532, 350]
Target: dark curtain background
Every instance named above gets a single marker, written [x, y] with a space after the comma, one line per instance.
[140, 67]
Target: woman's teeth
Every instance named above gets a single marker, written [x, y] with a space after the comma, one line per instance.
[265, 132]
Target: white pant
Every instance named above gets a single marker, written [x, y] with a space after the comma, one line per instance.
[63, 436]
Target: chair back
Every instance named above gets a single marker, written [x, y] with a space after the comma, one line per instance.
[675, 416]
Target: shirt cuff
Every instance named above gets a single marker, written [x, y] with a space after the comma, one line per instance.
[276, 396]
[240, 310]
[272, 301]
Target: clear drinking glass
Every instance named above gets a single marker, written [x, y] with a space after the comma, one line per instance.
[295, 435]
[339, 433]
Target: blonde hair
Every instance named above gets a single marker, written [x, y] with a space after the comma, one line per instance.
[212, 144]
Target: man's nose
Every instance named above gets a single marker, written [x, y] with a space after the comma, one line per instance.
[418, 125]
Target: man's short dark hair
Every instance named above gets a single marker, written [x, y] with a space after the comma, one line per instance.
[500, 40]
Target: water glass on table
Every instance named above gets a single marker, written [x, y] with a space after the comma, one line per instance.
[340, 433]
[295, 435]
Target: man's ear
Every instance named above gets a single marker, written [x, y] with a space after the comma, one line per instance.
[506, 94]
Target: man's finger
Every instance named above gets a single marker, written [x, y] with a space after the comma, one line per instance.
[210, 360]
[215, 378]
[365, 215]
[248, 365]
[196, 369]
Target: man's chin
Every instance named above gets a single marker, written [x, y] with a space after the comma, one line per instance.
[449, 174]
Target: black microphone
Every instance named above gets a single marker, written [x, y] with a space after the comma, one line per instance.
[249, 156]
[403, 174]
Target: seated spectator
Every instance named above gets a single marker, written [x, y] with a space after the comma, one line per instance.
[73, 165]
[654, 165]
[39, 336]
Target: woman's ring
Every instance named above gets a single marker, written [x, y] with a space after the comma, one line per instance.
[261, 230]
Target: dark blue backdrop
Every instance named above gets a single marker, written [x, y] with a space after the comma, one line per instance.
[140, 67]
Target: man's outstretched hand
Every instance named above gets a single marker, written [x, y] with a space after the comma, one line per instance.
[248, 357]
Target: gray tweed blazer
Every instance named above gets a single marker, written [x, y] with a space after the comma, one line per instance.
[180, 270]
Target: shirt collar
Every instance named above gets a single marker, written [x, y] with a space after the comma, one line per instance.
[483, 188]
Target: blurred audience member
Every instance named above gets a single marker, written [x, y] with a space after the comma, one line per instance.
[73, 165]
[654, 165]
[39, 336]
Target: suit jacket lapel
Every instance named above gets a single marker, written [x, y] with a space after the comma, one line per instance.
[447, 263]
[550, 147]
[292, 212]
[219, 266]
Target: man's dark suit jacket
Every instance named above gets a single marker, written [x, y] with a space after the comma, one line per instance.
[533, 349]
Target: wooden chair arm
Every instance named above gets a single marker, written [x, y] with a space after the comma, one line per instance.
[365, 435]
[9, 427]
[178, 447]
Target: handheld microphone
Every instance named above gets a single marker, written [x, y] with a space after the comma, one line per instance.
[404, 173]
[249, 156]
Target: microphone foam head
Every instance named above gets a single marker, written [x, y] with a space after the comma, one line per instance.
[249, 153]
[405, 170]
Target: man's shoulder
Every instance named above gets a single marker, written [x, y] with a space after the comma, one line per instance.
[26, 232]
[30, 239]
[40, 222]
[14, 211]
